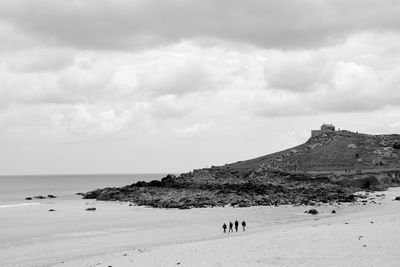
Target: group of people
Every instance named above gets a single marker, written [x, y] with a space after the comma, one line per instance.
[224, 226]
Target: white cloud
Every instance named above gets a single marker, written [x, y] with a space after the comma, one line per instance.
[194, 130]
[298, 71]
[81, 121]
[41, 60]
[153, 74]
[394, 125]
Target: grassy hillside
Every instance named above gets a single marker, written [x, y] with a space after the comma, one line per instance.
[333, 151]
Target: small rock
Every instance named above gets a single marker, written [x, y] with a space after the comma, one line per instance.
[313, 212]
[40, 197]
[372, 222]
[28, 198]
[397, 198]
[52, 210]
[51, 196]
[91, 209]
[333, 211]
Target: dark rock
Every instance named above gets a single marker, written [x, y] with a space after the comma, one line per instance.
[141, 184]
[396, 145]
[39, 197]
[333, 211]
[52, 210]
[91, 209]
[155, 183]
[28, 198]
[51, 196]
[218, 186]
[313, 212]
[397, 198]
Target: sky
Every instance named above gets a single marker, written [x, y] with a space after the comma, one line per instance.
[135, 86]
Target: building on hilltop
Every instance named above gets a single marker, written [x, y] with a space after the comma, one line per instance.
[325, 128]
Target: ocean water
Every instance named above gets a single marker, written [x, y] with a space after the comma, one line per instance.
[14, 189]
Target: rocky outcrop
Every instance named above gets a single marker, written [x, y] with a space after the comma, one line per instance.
[217, 187]
[329, 167]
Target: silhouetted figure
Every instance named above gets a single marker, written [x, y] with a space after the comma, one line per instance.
[230, 227]
[244, 226]
[224, 227]
[236, 225]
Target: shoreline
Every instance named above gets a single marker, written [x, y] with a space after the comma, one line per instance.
[71, 236]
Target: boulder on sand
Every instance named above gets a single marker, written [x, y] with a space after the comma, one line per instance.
[312, 212]
[91, 209]
[28, 198]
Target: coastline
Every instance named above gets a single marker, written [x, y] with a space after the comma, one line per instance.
[276, 236]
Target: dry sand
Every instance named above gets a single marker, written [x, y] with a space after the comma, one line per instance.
[119, 235]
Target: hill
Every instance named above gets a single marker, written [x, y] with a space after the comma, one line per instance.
[329, 167]
[333, 151]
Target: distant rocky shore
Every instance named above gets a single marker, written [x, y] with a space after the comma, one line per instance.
[220, 187]
[329, 167]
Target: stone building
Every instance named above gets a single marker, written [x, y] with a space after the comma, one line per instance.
[325, 128]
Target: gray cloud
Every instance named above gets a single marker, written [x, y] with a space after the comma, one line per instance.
[128, 24]
[42, 61]
[176, 78]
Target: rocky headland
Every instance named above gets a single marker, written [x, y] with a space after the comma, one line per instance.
[329, 167]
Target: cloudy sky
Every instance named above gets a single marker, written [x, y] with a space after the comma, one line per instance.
[122, 86]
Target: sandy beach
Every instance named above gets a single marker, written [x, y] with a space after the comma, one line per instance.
[117, 234]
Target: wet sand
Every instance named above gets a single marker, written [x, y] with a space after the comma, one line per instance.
[117, 234]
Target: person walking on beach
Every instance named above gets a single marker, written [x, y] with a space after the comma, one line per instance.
[244, 225]
[224, 227]
[230, 227]
[236, 225]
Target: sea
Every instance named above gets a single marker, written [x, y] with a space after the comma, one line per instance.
[15, 188]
